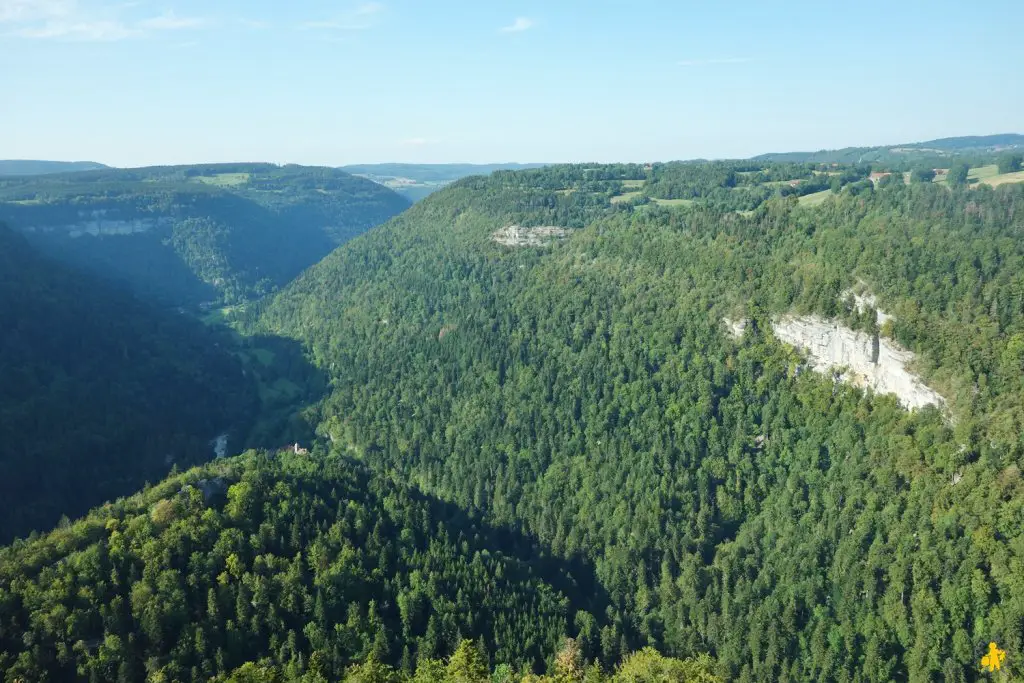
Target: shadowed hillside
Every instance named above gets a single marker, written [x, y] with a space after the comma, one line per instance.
[187, 235]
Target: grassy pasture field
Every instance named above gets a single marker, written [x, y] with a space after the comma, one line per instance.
[989, 175]
[982, 173]
[1004, 178]
[815, 198]
[672, 202]
[625, 197]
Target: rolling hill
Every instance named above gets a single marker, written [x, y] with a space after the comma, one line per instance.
[31, 167]
[188, 235]
[937, 151]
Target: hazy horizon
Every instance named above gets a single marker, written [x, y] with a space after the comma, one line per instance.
[389, 162]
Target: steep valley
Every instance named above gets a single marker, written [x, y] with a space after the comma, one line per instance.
[512, 414]
[190, 235]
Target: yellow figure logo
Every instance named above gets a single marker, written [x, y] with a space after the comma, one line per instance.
[993, 661]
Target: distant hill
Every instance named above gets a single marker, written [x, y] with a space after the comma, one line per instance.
[910, 152]
[32, 167]
[99, 392]
[185, 235]
[416, 181]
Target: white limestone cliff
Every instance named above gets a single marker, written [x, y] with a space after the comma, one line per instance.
[517, 236]
[880, 366]
[96, 222]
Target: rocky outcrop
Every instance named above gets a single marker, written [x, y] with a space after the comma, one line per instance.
[864, 360]
[736, 327]
[97, 222]
[516, 236]
[863, 300]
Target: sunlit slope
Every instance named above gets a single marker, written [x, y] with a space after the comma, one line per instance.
[584, 388]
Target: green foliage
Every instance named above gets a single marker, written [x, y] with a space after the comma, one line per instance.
[1010, 163]
[467, 664]
[958, 174]
[311, 568]
[646, 666]
[99, 392]
[922, 175]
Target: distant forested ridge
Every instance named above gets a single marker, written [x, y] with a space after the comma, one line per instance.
[99, 392]
[934, 151]
[418, 181]
[585, 391]
[433, 172]
[32, 167]
[186, 235]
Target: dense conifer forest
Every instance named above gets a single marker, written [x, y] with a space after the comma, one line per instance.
[588, 394]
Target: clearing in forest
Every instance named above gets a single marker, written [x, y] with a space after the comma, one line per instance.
[815, 198]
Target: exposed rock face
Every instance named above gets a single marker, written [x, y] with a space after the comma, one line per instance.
[865, 300]
[96, 222]
[736, 327]
[516, 236]
[870, 362]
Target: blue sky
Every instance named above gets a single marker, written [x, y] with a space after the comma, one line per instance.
[334, 82]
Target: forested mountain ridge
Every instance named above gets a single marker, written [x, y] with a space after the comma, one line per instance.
[33, 167]
[911, 152]
[186, 235]
[587, 393]
[99, 392]
[309, 565]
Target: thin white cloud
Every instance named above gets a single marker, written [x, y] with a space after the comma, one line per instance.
[714, 61]
[169, 21]
[359, 19]
[19, 11]
[72, 20]
[518, 26]
[87, 31]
